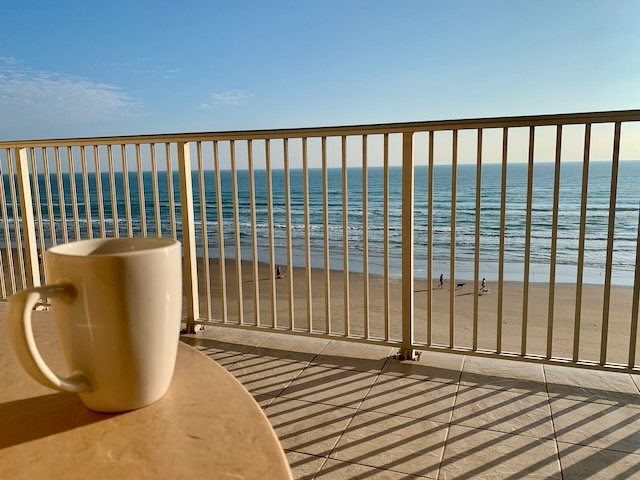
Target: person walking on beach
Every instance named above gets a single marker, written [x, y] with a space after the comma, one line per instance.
[483, 287]
[441, 280]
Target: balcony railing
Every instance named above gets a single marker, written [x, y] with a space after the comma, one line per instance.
[359, 221]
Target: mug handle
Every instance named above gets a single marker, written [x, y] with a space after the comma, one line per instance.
[20, 331]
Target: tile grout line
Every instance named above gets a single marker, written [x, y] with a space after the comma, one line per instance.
[292, 380]
[637, 385]
[446, 435]
[357, 409]
[553, 425]
[311, 455]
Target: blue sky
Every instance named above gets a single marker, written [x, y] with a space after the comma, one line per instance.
[88, 68]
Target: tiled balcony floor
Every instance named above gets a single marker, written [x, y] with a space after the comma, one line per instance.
[345, 410]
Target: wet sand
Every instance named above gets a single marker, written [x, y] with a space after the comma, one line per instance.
[564, 308]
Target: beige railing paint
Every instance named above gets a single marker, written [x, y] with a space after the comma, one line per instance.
[7, 237]
[221, 257]
[18, 227]
[452, 241]
[325, 222]
[503, 212]
[527, 245]
[345, 238]
[74, 195]
[406, 349]
[476, 259]
[583, 223]
[98, 190]
[307, 233]
[236, 231]
[32, 268]
[254, 238]
[205, 235]
[287, 201]
[141, 199]
[112, 190]
[190, 269]
[430, 244]
[31, 239]
[610, 236]
[387, 313]
[272, 255]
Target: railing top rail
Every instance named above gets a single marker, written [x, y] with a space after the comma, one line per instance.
[434, 125]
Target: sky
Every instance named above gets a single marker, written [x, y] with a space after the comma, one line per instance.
[89, 68]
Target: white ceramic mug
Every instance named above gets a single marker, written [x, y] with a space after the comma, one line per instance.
[117, 305]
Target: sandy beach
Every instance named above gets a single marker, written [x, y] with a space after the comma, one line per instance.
[538, 307]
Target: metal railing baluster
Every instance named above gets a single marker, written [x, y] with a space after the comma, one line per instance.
[527, 244]
[610, 237]
[126, 193]
[31, 265]
[17, 229]
[406, 350]
[112, 191]
[345, 237]
[61, 195]
[155, 189]
[74, 194]
[430, 243]
[452, 244]
[5, 222]
[85, 190]
[635, 304]
[99, 194]
[220, 219]
[203, 223]
[141, 200]
[476, 258]
[503, 215]
[236, 230]
[287, 202]
[307, 234]
[272, 254]
[190, 268]
[554, 241]
[254, 235]
[325, 222]
[387, 313]
[581, 242]
[365, 236]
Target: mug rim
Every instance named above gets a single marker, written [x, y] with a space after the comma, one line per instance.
[84, 248]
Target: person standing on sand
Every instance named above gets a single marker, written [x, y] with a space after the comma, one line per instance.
[441, 280]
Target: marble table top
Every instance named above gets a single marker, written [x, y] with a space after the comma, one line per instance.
[206, 426]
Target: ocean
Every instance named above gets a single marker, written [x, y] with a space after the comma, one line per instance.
[625, 236]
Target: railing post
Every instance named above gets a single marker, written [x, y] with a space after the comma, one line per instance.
[188, 236]
[406, 351]
[32, 266]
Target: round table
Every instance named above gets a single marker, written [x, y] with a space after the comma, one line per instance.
[206, 426]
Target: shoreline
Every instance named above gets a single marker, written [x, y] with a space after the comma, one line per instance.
[513, 271]
[513, 306]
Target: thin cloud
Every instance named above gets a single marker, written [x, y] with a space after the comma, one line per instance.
[144, 66]
[33, 95]
[8, 61]
[226, 97]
